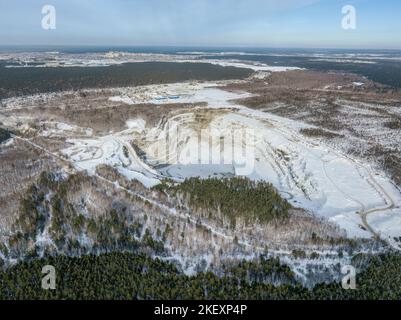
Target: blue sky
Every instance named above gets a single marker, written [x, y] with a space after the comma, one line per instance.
[255, 23]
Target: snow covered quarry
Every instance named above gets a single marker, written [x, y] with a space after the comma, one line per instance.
[311, 175]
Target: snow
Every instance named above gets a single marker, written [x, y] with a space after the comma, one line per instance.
[59, 128]
[123, 99]
[248, 65]
[261, 75]
[7, 143]
[351, 221]
[64, 126]
[185, 93]
[136, 124]
[388, 223]
[88, 154]
[345, 61]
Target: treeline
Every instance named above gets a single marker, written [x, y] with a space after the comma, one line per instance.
[27, 81]
[127, 276]
[233, 198]
[4, 135]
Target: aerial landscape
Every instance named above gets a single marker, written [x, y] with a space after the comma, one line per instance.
[197, 171]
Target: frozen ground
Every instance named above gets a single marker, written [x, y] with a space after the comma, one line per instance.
[255, 66]
[57, 59]
[309, 173]
[193, 92]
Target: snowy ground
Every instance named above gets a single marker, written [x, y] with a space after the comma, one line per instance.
[310, 174]
[65, 60]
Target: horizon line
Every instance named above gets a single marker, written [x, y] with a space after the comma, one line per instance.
[195, 46]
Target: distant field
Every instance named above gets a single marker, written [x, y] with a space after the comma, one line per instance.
[25, 81]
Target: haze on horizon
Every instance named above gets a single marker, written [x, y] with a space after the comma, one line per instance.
[212, 23]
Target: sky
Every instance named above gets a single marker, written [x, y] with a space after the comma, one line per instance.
[209, 23]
